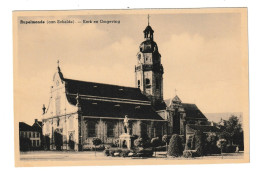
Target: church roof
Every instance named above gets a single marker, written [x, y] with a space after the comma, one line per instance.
[192, 111]
[176, 99]
[204, 128]
[25, 127]
[103, 90]
[148, 28]
[105, 100]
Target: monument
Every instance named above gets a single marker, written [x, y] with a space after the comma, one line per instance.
[125, 139]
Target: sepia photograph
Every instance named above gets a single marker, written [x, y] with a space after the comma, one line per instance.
[131, 87]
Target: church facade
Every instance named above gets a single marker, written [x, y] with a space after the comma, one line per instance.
[78, 111]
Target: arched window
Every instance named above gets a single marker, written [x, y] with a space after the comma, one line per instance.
[157, 83]
[91, 129]
[110, 129]
[147, 83]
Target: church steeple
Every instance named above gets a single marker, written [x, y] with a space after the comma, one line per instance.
[148, 32]
[149, 70]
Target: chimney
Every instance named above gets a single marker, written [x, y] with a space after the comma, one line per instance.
[35, 120]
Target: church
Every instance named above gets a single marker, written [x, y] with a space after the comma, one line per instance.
[78, 111]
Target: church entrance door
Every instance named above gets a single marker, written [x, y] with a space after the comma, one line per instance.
[71, 140]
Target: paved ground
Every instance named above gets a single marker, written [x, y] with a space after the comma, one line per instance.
[90, 155]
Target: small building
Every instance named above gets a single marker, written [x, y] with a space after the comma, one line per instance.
[30, 136]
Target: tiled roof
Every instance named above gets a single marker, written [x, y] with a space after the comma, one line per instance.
[103, 90]
[105, 100]
[25, 127]
[192, 111]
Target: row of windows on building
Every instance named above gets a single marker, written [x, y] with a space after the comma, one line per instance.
[92, 129]
[112, 130]
[148, 83]
[29, 134]
[36, 143]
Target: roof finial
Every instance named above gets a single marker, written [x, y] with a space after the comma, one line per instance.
[175, 91]
[148, 17]
[58, 65]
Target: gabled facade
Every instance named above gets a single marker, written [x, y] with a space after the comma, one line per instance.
[180, 115]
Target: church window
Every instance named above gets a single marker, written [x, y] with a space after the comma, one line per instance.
[57, 105]
[147, 83]
[144, 130]
[110, 129]
[91, 129]
[138, 83]
[157, 83]
[58, 122]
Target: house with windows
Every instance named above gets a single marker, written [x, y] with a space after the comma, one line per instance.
[30, 136]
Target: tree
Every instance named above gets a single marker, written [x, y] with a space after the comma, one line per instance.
[155, 143]
[175, 146]
[166, 139]
[211, 144]
[190, 144]
[96, 141]
[221, 143]
[199, 143]
[232, 130]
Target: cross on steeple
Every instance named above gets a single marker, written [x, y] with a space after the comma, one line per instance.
[148, 17]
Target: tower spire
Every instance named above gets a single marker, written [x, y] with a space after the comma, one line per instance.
[148, 17]
[58, 65]
[175, 91]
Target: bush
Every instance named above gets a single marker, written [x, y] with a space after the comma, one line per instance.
[175, 146]
[155, 142]
[211, 144]
[229, 149]
[96, 141]
[147, 152]
[166, 139]
[139, 142]
[190, 144]
[124, 153]
[189, 153]
[120, 152]
[161, 148]
[106, 152]
[199, 143]
[221, 144]
[111, 152]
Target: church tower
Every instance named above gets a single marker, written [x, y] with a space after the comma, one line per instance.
[149, 70]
